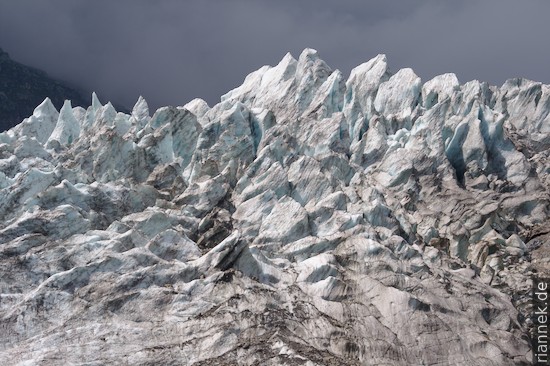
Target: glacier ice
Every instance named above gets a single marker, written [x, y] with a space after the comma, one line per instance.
[305, 219]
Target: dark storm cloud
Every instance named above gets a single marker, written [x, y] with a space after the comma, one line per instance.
[173, 51]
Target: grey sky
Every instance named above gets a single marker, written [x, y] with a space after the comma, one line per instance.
[173, 51]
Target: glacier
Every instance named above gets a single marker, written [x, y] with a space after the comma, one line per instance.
[305, 219]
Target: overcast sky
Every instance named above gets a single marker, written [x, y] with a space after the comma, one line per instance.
[171, 51]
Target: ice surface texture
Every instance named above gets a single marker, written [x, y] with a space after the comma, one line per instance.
[304, 220]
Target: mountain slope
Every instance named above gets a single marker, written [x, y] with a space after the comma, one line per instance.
[23, 87]
[303, 220]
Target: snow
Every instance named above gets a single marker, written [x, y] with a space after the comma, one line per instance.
[198, 107]
[361, 88]
[106, 115]
[364, 208]
[96, 104]
[42, 122]
[67, 128]
[140, 112]
[398, 96]
[439, 88]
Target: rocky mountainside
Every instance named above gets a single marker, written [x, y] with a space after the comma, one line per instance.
[23, 87]
[304, 220]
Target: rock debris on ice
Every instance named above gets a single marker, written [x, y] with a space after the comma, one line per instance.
[303, 220]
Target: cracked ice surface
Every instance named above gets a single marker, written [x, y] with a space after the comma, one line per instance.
[303, 220]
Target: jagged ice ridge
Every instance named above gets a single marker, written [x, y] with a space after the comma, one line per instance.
[303, 220]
